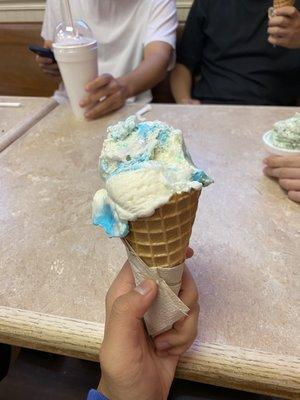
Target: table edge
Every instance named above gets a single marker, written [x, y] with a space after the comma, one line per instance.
[24, 125]
[216, 364]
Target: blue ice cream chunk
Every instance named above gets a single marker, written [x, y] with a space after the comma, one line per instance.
[143, 130]
[200, 176]
[104, 216]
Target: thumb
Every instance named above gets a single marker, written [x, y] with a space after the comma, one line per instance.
[125, 320]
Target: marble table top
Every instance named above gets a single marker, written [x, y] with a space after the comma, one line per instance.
[55, 263]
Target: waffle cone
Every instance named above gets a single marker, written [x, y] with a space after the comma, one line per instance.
[162, 239]
[283, 3]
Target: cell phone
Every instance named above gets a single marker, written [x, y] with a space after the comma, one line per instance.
[42, 51]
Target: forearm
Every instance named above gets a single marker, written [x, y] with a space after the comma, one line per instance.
[149, 73]
[181, 83]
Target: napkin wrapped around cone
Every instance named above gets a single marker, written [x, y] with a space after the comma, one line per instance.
[157, 250]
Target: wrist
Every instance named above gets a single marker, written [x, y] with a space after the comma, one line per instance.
[102, 388]
[126, 87]
[96, 395]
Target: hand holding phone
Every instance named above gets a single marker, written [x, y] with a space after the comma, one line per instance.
[42, 52]
[45, 60]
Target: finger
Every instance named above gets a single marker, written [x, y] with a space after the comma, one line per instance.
[278, 161]
[277, 31]
[177, 340]
[123, 283]
[195, 102]
[272, 40]
[284, 173]
[102, 93]
[51, 67]
[111, 103]
[188, 292]
[279, 41]
[290, 184]
[288, 11]
[282, 22]
[99, 82]
[294, 195]
[51, 72]
[189, 252]
[125, 324]
[183, 332]
[44, 60]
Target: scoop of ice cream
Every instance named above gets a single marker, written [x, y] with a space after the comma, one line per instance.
[143, 165]
[286, 134]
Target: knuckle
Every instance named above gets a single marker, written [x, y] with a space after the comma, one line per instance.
[115, 97]
[281, 173]
[107, 77]
[113, 85]
[93, 98]
[121, 306]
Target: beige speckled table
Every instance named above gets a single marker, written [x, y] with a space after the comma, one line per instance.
[55, 266]
[14, 122]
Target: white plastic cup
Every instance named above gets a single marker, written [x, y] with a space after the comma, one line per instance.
[78, 65]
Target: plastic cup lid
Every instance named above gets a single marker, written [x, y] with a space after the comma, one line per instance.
[66, 35]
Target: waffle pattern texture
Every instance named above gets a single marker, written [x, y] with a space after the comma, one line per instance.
[283, 3]
[161, 240]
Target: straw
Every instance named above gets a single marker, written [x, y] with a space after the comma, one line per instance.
[13, 105]
[139, 114]
[69, 16]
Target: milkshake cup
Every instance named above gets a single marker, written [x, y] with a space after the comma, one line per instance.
[76, 57]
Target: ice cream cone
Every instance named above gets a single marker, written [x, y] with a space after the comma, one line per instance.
[162, 239]
[283, 3]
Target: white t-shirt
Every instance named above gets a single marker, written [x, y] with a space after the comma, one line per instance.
[122, 28]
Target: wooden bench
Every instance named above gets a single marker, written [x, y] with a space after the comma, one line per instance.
[20, 75]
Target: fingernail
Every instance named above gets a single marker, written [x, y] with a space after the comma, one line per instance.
[162, 345]
[144, 288]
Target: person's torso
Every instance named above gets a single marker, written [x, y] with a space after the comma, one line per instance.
[119, 26]
[238, 61]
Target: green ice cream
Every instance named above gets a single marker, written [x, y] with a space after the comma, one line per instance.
[286, 134]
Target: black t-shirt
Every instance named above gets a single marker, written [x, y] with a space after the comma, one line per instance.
[225, 41]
